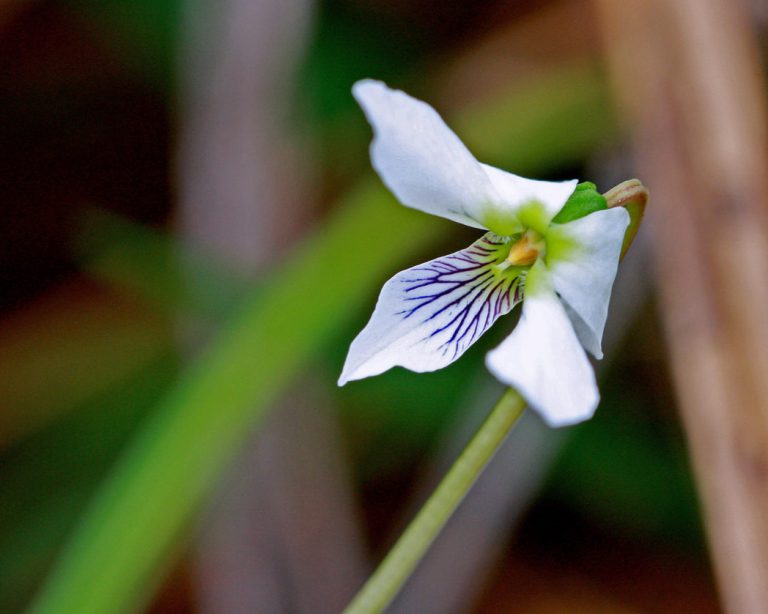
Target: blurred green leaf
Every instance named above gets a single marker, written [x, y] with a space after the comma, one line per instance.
[113, 558]
[382, 47]
[543, 124]
[45, 479]
[74, 344]
[627, 473]
[142, 32]
[155, 267]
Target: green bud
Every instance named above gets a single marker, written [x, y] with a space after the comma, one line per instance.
[584, 200]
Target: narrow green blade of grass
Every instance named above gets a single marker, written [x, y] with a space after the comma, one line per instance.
[191, 436]
[113, 559]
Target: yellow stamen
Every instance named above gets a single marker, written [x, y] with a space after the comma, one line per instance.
[526, 250]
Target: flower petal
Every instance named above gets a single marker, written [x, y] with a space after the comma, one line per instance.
[427, 316]
[543, 359]
[531, 201]
[420, 159]
[583, 262]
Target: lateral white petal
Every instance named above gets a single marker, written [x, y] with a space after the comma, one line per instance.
[584, 274]
[544, 361]
[420, 159]
[427, 316]
[516, 192]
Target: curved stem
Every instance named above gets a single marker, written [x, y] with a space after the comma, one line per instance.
[402, 559]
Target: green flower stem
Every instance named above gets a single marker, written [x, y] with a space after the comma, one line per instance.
[402, 559]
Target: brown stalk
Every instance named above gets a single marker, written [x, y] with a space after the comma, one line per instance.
[688, 76]
[267, 545]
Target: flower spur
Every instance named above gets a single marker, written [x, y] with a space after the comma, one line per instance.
[554, 246]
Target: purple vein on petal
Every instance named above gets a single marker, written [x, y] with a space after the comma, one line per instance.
[428, 315]
[466, 289]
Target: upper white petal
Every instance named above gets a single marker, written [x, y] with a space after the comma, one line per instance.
[420, 159]
[516, 192]
[543, 360]
[584, 276]
[427, 316]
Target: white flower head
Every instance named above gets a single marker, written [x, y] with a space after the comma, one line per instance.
[427, 316]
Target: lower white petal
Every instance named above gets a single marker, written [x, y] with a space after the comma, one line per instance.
[583, 261]
[543, 360]
[427, 316]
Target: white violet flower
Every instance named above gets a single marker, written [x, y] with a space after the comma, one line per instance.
[427, 316]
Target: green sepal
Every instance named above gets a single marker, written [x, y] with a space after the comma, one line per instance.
[584, 200]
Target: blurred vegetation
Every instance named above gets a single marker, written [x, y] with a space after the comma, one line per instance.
[150, 439]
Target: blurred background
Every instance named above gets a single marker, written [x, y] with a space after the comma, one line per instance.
[174, 169]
